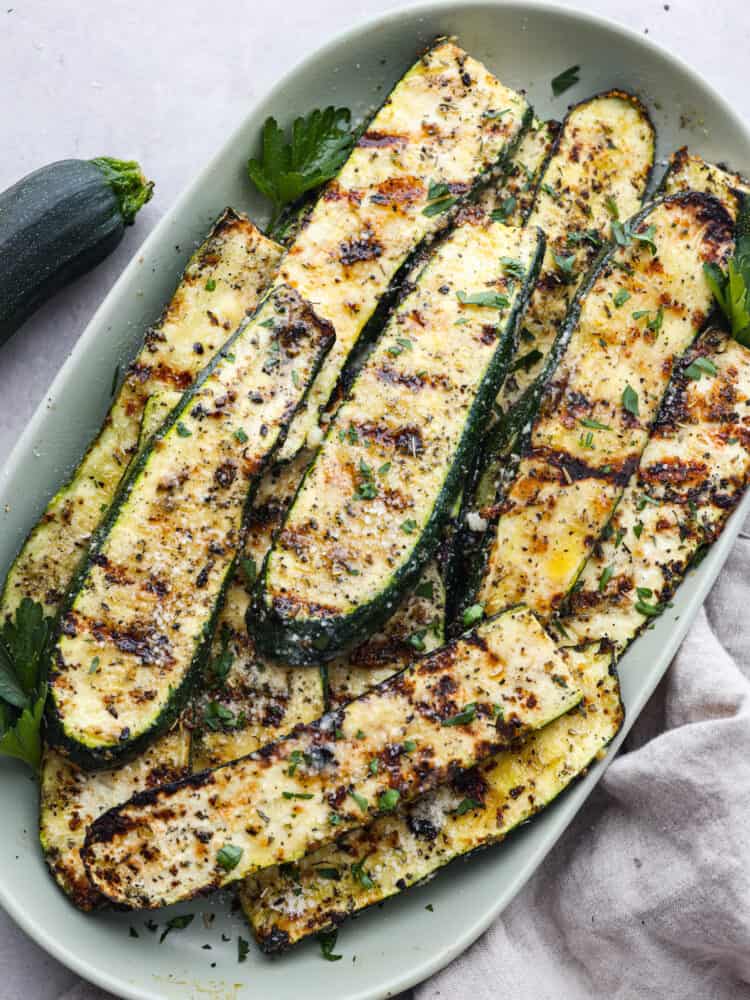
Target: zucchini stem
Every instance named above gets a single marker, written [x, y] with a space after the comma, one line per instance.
[130, 187]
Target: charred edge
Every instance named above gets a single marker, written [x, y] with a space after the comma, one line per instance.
[575, 469]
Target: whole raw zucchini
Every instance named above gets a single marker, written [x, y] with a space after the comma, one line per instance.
[57, 223]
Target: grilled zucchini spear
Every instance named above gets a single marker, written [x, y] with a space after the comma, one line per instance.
[476, 809]
[465, 702]
[141, 609]
[692, 475]
[637, 312]
[368, 514]
[445, 122]
[598, 167]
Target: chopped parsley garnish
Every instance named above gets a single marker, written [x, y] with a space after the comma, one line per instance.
[94, 665]
[243, 947]
[295, 759]
[408, 746]
[490, 300]
[297, 795]
[416, 640]
[565, 80]
[611, 204]
[647, 609]
[211, 285]
[177, 924]
[183, 431]
[361, 801]
[606, 576]
[578, 236]
[229, 857]
[363, 877]
[327, 941]
[565, 264]
[624, 234]
[320, 143]
[402, 344]
[462, 718]
[389, 800]
[374, 765]
[699, 367]
[409, 526]
[217, 716]
[587, 440]
[630, 400]
[548, 189]
[241, 436]
[466, 805]
[593, 424]
[621, 297]
[513, 268]
[495, 114]
[638, 529]
[472, 615]
[439, 199]
[506, 208]
[366, 488]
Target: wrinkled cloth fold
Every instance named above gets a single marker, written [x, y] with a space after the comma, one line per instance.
[648, 892]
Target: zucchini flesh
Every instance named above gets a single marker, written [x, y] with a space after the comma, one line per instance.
[688, 172]
[511, 200]
[368, 514]
[239, 261]
[692, 475]
[418, 626]
[477, 809]
[246, 701]
[587, 437]
[445, 123]
[602, 158]
[145, 600]
[461, 704]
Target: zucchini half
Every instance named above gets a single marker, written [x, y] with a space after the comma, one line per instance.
[370, 509]
[446, 122]
[692, 475]
[477, 809]
[636, 313]
[460, 704]
[222, 281]
[141, 609]
[599, 166]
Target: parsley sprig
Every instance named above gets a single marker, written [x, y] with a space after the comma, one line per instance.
[731, 289]
[320, 143]
[23, 687]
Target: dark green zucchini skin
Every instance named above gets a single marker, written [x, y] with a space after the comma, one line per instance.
[59, 222]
